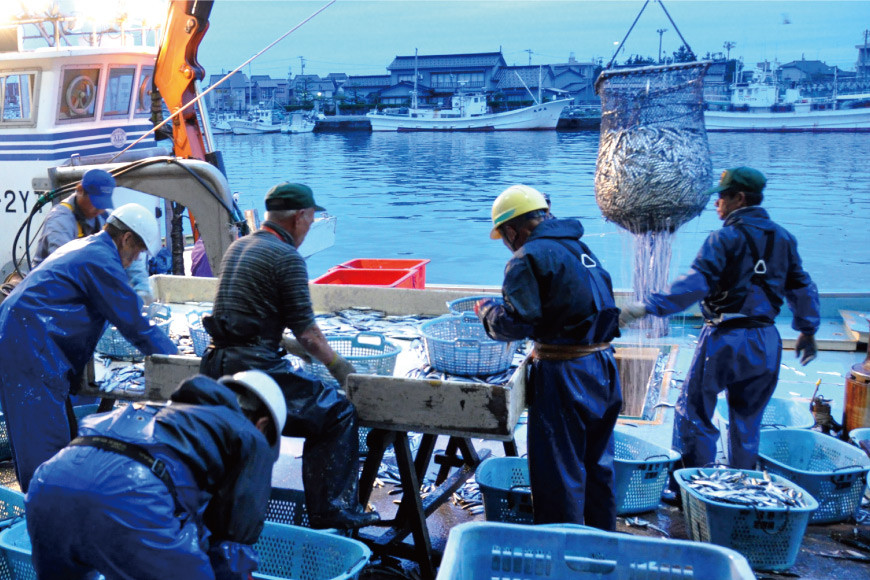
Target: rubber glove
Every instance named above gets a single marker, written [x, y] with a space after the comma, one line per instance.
[292, 346]
[630, 313]
[805, 348]
[482, 307]
[339, 368]
[233, 561]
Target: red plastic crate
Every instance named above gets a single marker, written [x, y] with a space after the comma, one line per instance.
[366, 277]
[416, 266]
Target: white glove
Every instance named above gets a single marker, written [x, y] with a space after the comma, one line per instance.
[630, 313]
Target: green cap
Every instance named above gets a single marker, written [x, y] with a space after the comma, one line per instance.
[743, 179]
[287, 195]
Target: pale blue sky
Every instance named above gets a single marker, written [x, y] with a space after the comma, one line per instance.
[363, 36]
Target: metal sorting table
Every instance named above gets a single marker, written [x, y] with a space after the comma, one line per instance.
[392, 406]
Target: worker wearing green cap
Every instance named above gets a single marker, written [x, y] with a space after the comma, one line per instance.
[263, 289]
[741, 276]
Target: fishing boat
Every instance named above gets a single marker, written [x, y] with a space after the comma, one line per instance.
[762, 105]
[299, 123]
[259, 120]
[70, 96]
[467, 112]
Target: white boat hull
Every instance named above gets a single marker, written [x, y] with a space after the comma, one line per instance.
[846, 120]
[543, 116]
[241, 127]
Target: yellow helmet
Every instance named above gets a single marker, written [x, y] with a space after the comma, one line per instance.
[515, 201]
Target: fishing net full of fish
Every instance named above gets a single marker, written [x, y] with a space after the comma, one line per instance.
[653, 158]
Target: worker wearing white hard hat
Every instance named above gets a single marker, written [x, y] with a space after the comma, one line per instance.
[51, 322]
[177, 490]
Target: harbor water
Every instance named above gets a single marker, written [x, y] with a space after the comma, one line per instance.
[428, 195]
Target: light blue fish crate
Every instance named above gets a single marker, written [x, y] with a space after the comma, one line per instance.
[769, 537]
[780, 413]
[293, 552]
[477, 550]
[504, 484]
[459, 345]
[466, 304]
[15, 545]
[834, 472]
[199, 336]
[287, 506]
[641, 472]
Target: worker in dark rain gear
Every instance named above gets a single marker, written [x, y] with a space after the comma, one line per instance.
[50, 325]
[83, 214]
[263, 289]
[740, 275]
[159, 491]
[557, 292]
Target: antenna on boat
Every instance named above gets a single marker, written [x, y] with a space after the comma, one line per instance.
[200, 96]
[414, 92]
[528, 90]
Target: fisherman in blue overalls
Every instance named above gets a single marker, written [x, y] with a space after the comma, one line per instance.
[556, 292]
[50, 325]
[83, 214]
[176, 490]
[741, 275]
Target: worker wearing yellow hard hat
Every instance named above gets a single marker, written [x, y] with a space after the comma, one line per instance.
[557, 292]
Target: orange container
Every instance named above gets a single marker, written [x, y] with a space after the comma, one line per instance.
[416, 266]
[367, 277]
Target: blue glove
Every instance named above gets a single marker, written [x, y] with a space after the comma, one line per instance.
[233, 561]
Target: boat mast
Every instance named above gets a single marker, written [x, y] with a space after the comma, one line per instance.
[414, 92]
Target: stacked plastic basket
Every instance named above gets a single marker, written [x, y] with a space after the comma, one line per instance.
[458, 344]
[769, 537]
[496, 550]
[832, 471]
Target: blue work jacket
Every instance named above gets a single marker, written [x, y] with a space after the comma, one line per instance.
[723, 277]
[556, 291]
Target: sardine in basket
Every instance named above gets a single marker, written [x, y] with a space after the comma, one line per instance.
[641, 472]
[285, 552]
[496, 550]
[834, 472]
[769, 537]
[459, 345]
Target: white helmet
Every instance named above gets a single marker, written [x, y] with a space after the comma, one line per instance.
[140, 221]
[267, 390]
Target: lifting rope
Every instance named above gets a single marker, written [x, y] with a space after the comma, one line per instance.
[662, 4]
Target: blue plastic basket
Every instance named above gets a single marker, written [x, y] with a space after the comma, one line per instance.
[458, 344]
[5, 446]
[303, 554]
[198, 334]
[858, 435]
[769, 537]
[834, 472]
[504, 484]
[641, 470]
[371, 354]
[287, 506]
[477, 550]
[466, 304]
[780, 413]
[113, 344]
[15, 545]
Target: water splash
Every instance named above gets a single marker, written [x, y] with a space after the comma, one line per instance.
[652, 262]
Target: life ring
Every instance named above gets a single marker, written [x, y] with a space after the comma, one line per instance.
[80, 95]
[145, 93]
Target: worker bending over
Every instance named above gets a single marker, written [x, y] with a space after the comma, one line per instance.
[83, 214]
[740, 275]
[263, 289]
[156, 491]
[50, 325]
[557, 292]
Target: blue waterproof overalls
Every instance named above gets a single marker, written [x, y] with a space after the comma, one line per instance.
[94, 509]
[49, 328]
[742, 272]
[557, 293]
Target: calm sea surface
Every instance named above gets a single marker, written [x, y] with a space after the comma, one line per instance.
[428, 195]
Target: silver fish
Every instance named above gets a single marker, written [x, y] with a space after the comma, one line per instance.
[736, 487]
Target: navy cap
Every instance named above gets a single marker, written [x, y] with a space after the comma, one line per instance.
[287, 196]
[99, 185]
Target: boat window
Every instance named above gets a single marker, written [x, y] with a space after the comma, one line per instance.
[143, 93]
[16, 92]
[78, 95]
[118, 91]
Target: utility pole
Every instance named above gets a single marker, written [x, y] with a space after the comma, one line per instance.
[529, 50]
[661, 31]
[302, 63]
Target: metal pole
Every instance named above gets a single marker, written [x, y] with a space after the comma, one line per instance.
[661, 31]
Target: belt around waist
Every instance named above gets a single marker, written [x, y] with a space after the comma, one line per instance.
[566, 351]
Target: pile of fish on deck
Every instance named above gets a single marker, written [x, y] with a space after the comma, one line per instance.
[736, 487]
